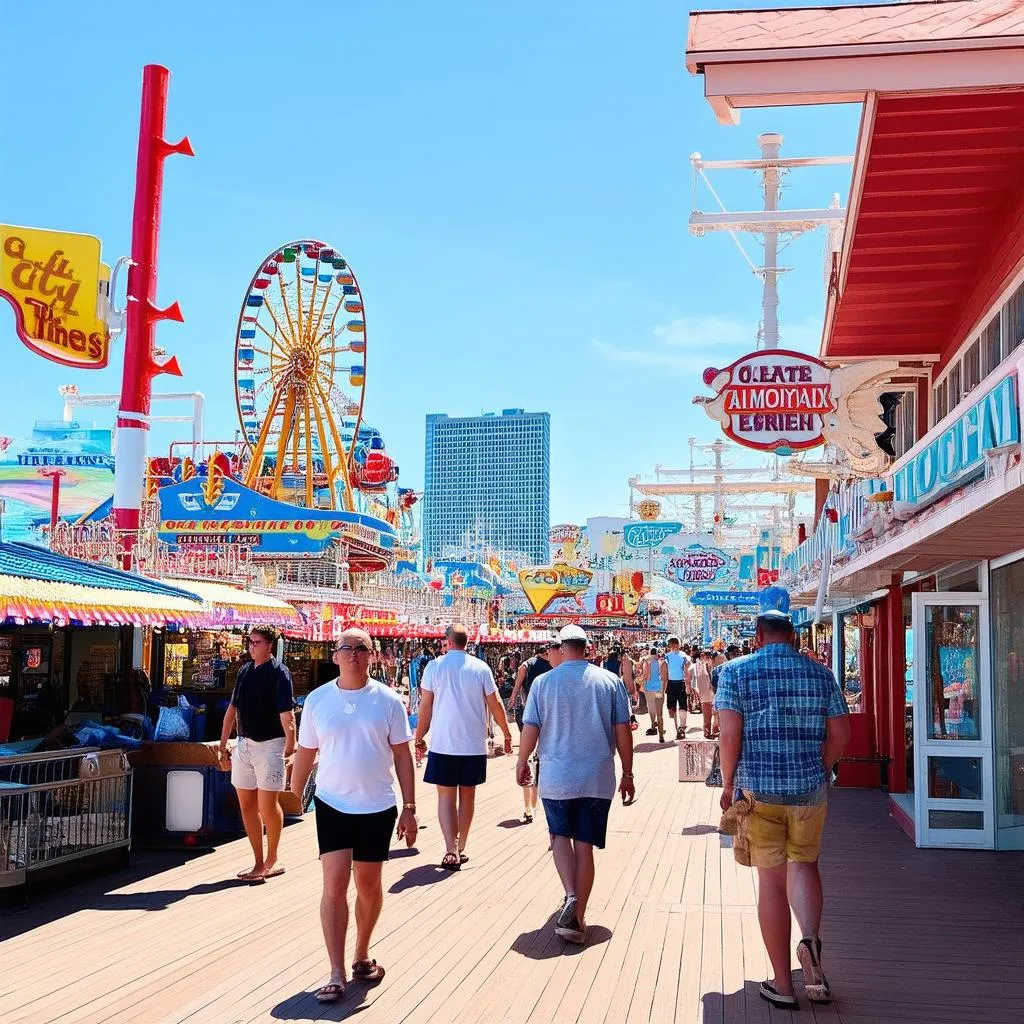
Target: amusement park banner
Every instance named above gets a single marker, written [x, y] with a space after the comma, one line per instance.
[58, 287]
[207, 510]
[699, 565]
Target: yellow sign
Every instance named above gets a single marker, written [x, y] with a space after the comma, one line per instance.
[548, 582]
[53, 281]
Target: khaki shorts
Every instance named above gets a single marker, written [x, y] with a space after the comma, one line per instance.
[778, 833]
[655, 702]
[256, 765]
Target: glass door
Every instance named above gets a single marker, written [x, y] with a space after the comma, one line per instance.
[954, 800]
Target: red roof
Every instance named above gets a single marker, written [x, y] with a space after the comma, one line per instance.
[922, 21]
[942, 179]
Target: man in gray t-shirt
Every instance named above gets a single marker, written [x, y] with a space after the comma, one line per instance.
[577, 716]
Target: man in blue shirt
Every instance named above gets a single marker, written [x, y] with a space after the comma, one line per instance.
[577, 716]
[783, 725]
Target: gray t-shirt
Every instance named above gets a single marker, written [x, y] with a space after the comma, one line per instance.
[576, 707]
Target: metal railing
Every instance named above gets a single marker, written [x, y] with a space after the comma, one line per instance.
[61, 806]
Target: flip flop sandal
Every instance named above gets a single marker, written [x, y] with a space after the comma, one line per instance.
[331, 993]
[367, 970]
[463, 858]
[770, 995]
[808, 952]
[276, 873]
[450, 862]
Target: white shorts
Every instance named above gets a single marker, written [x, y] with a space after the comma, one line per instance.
[256, 765]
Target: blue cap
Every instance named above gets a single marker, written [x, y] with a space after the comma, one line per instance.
[773, 603]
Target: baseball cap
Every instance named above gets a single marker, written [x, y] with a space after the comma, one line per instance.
[774, 615]
[572, 632]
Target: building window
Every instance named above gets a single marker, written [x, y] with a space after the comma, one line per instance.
[906, 424]
[954, 388]
[972, 368]
[939, 404]
[1015, 320]
[991, 346]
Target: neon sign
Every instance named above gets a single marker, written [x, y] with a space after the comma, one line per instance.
[648, 534]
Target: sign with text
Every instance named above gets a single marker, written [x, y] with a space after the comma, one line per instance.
[564, 533]
[957, 454]
[716, 598]
[646, 535]
[700, 566]
[775, 400]
[545, 584]
[766, 577]
[53, 282]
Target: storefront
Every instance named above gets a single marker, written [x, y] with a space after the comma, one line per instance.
[924, 592]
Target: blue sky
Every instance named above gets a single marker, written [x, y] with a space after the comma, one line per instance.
[510, 183]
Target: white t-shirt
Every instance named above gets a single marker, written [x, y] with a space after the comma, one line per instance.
[354, 731]
[460, 685]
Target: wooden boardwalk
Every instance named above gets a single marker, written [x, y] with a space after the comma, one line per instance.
[910, 935]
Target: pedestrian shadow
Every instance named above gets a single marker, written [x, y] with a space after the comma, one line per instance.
[646, 748]
[511, 823]
[405, 851]
[304, 1005]
[425, 874]
[732, 1005]
[543, 944]
[698, 830]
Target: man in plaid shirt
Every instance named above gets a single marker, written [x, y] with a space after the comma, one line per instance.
[783, 725]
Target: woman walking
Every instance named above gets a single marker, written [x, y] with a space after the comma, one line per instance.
[702, 680]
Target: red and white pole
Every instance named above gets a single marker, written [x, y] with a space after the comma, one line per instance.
[140, 365]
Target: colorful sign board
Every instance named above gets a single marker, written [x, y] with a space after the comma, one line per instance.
[545, 584]
[204, 510]
[714, 598]
[565, 533]
[647, 535]
[699, 565]
[773, 400]
[947, 461]
[53, 281]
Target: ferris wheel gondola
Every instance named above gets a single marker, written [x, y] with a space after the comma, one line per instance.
[300, 375]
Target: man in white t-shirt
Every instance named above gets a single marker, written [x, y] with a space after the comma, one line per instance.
[361, 729]
[457, 700]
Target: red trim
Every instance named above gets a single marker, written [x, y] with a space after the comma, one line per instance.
[897, 740]
[29, 342]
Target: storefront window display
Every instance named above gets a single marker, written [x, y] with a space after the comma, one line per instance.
[850, 661]
[1007, 606]
[202, 660]
[952, 642]
[823, 642]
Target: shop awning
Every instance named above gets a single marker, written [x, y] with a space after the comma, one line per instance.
[24, 599]
[983, 522]
[227, 606]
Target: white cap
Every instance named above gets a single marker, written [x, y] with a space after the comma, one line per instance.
[571, 633]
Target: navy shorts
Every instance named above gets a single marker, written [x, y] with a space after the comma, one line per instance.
[455, 769]
[675, 695]
[584, 819]
[368, 836]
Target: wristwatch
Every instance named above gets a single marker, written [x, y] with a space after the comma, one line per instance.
[409, 807]
[627, 775]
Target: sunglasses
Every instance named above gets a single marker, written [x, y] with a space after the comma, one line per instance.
[348, 649]
[253, 641]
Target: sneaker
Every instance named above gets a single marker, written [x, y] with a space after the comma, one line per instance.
[679, 734]
[651, 732]
[567, 914]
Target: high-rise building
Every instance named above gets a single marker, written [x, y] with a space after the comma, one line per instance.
[487, 484]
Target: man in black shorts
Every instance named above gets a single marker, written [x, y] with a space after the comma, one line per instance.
[361, 729]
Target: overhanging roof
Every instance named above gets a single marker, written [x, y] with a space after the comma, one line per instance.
[803, 55]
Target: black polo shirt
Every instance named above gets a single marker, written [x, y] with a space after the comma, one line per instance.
[262, 694]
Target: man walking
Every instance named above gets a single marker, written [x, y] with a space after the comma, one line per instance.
[360, 728]
[458, 697]
[530, 670]
[262, 711]
[783, 725]
[678, 673]
[577, 717]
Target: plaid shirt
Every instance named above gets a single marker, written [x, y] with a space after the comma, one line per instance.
[784, 698]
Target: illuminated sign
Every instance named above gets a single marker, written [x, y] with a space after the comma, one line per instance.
[774, 400]
[53, 281]
[700, 565]
[766, 577]
[648, 534]
[958, 453]
[566, 533]
[546, 584]
[712, 598]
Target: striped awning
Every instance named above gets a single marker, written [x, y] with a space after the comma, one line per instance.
[227, 606]
[24, 599]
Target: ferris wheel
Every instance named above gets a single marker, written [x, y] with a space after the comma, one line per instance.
[300, 374]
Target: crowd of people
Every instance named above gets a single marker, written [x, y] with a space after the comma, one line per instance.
[779, 717]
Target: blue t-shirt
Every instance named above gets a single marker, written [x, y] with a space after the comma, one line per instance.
[576, 707]
[677, 662]
[785, 699]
